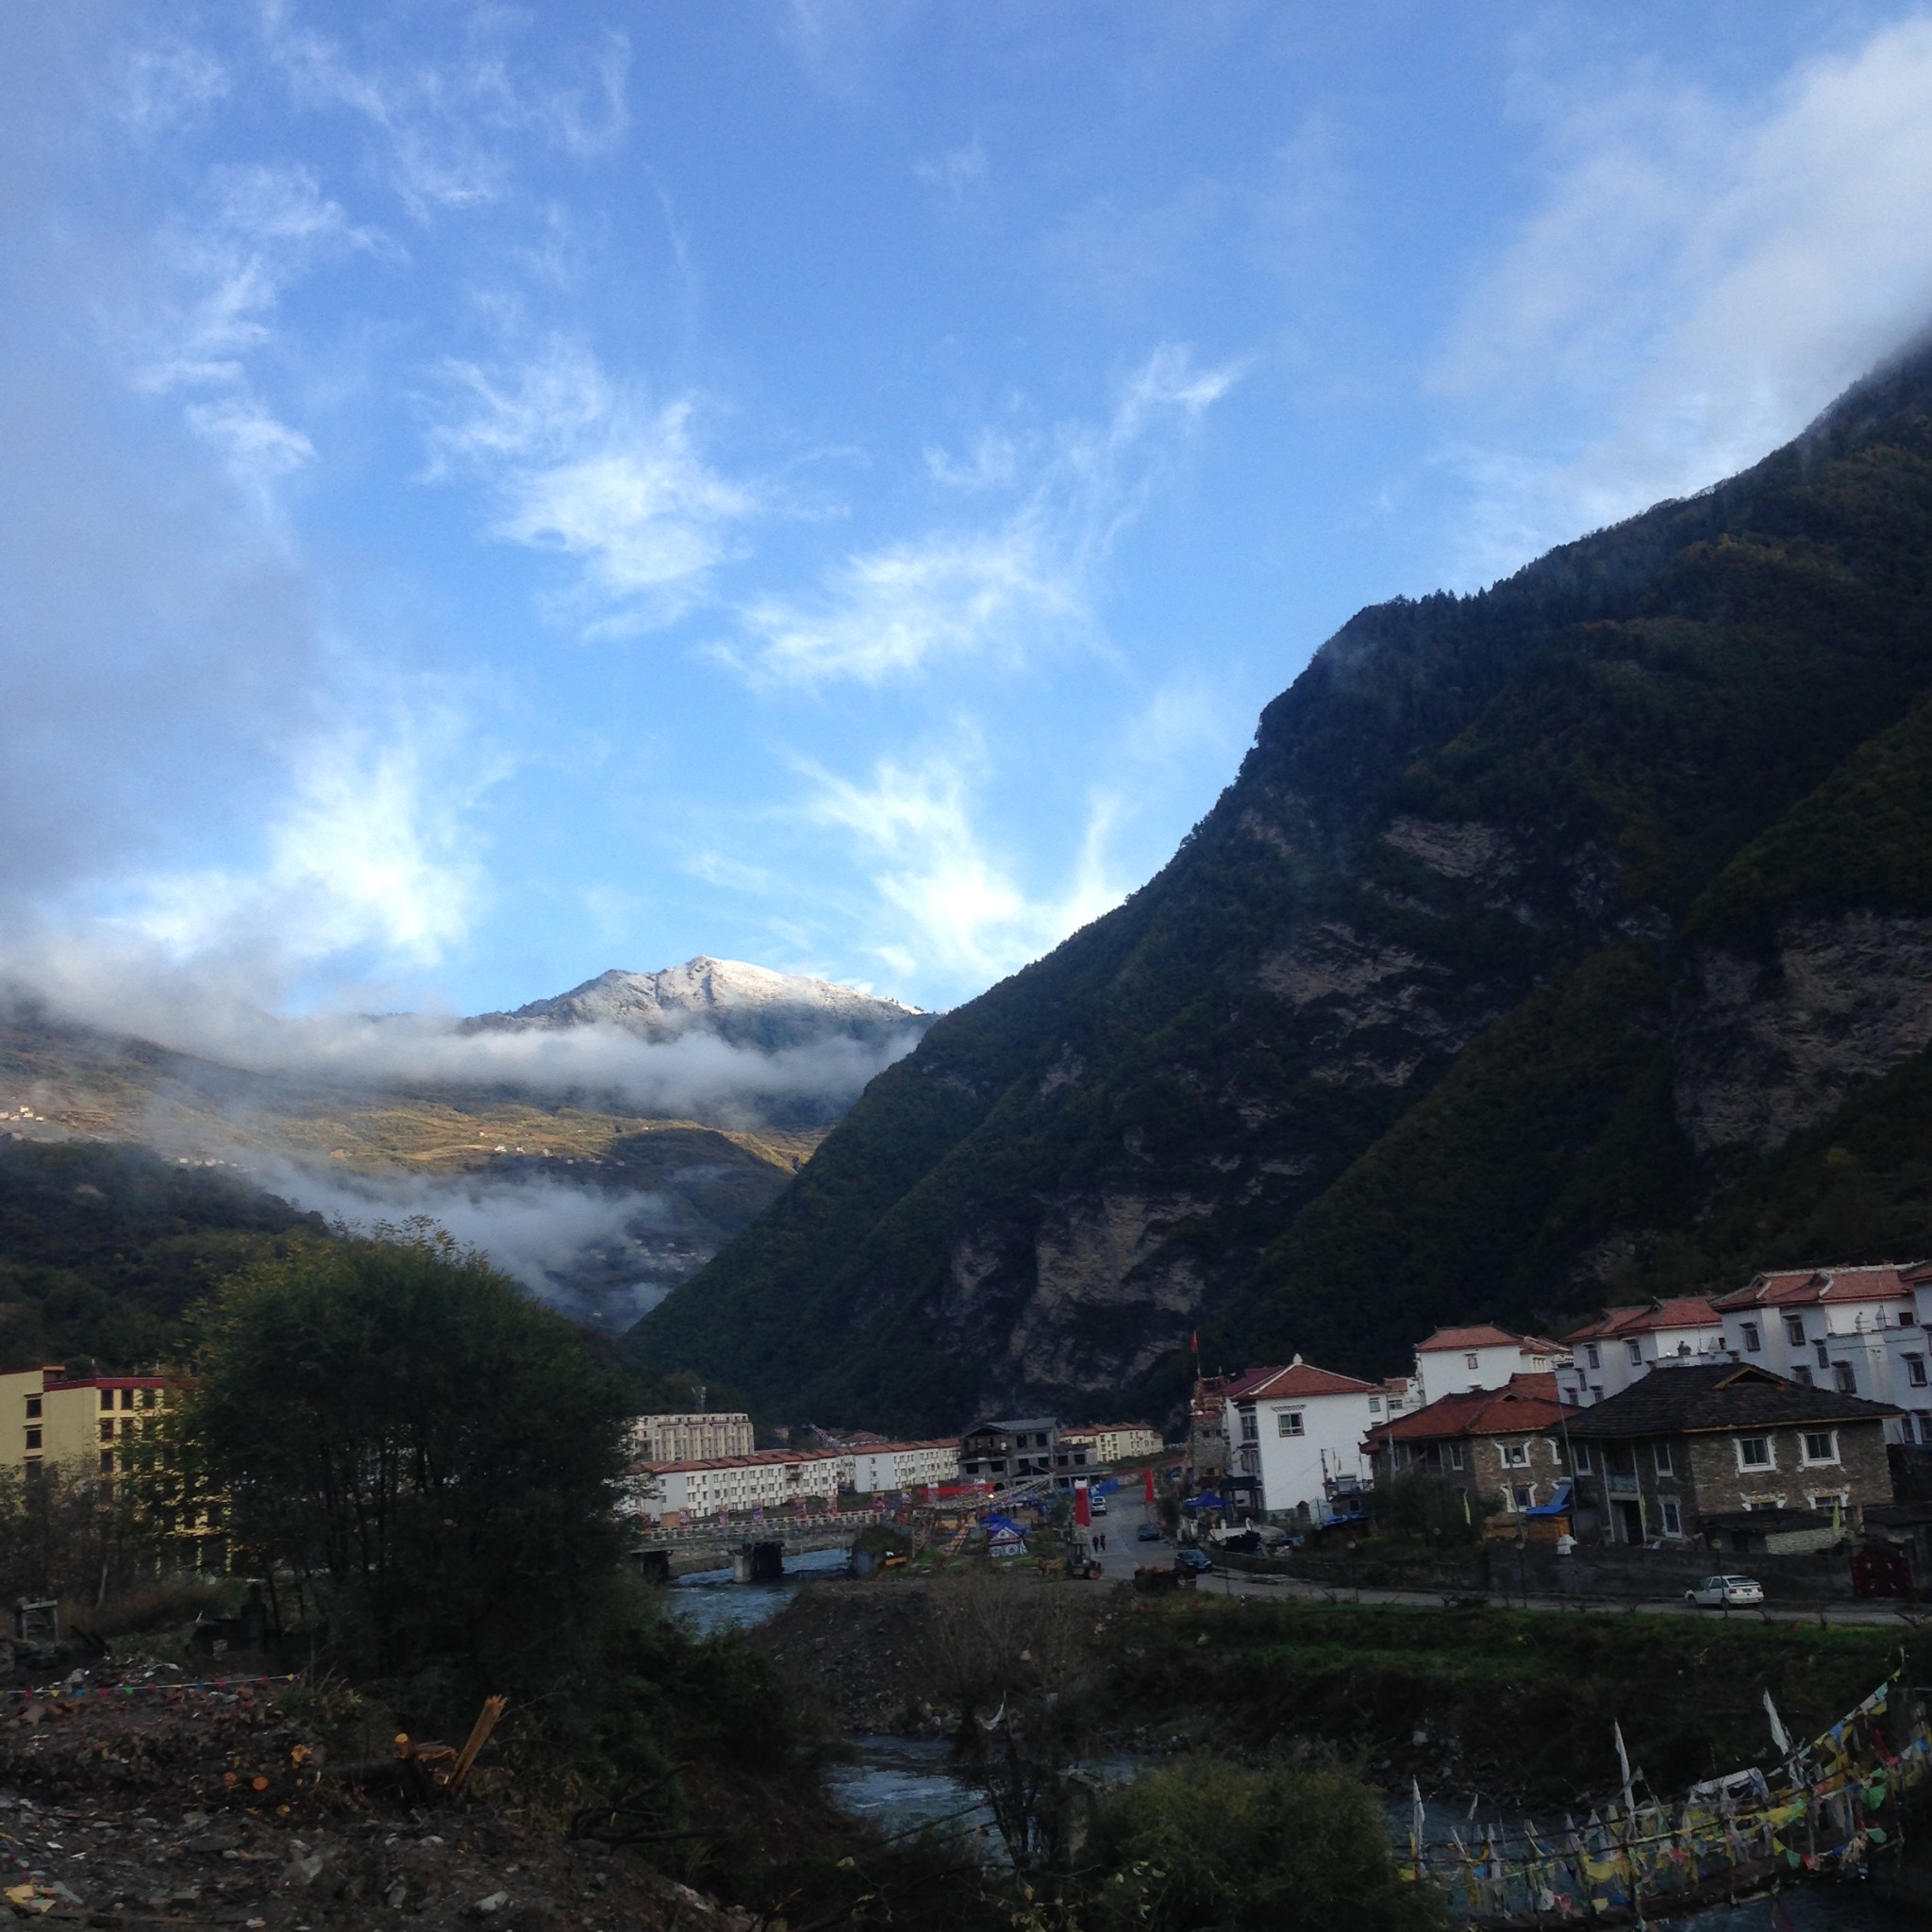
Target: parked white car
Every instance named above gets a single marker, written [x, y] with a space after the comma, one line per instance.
[1721, 1592]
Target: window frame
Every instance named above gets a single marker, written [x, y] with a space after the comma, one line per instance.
[1806, 1461]
[1670, 1517]
[1290, 1425]
[1514, 1455]
[1749, 1467]
[1663, 1459]
[1754, 1342]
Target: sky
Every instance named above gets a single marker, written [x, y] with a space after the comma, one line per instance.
[489, 494]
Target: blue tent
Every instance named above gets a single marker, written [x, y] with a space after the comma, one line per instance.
[1206, 1500]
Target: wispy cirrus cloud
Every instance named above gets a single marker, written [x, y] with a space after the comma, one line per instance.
[949, 906]
[222, 270]
[580, 465]
[1001, 590]
[444, 128]
[1698, 280]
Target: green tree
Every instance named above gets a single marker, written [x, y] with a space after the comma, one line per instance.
[429, 1452]
[1209, 1847]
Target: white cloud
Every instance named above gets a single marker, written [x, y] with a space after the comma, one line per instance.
[363, 856]
[957, 172]
[168, 83]
[1002, 592]
[891, 611]
[223, 270]
[953, 907]
[1698, 281]
[580, 466]
[446, 126]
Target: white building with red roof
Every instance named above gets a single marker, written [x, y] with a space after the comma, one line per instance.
[1294, 1441]
[1453, 1361]
[1858, 1330]
[1623, 1344]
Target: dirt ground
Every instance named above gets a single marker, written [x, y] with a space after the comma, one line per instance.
[130, 1799]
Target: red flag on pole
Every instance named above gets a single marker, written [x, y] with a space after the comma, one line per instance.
[1083, 1507]
[1147, 1484]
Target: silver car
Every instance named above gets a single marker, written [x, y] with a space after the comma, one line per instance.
[1723, 1593]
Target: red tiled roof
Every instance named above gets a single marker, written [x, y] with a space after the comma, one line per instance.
[1298, 1379]
[1485, 1336]
[1883, 1281]
[1684, 1312]
[1527, 1407]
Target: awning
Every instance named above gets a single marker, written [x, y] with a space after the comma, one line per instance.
[1558, 1505]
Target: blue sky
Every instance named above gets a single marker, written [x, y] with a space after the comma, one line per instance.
[488, 495]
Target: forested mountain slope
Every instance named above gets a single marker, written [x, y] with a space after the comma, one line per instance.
[1544, 940]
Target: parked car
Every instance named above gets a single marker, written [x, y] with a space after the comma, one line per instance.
[1148, 1533]
[1721, 1592]
[1194, 1560]
[1099, 1506]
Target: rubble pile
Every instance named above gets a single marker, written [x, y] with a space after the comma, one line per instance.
[127, 1799]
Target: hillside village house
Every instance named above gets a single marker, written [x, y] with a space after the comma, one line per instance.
[1694, 1452]
[692, 1437]
[1294, 1439]
[1861, 1331]
[903, 1465]
[1110, 1442]
[1455, 1360]
[1021, 1450]
[772, 1478]
[1623, 1344]
[1503, 1445]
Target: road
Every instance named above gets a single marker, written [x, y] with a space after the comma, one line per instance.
[1124, 1553]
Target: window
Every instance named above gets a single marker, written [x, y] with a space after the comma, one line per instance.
[1289, 1422]
[1636, 1353]
[147, 1398]
[1251, 1429]
[1583, 1458]
[1824, 1357]
[1662, 1456]
[106, 1398]
[127, 1398]
[1524, 1495]
[1673, 1517]
[1821, 1445]
[107, 1462]
[1804, 1375]
[33, 1439]
[1753, 1452]
[1593, 1357]
[1794, 1330]
[1847, 1382]
[107, 1431]
[1375, 1405]
[1751, 1342]
[1394, 1403]
[1907, 1318]
[1456, 1456]
[1470, 1361]
[33, 1408]
[1515, 1455]
[1915, 1374]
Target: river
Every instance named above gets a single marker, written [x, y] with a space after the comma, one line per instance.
[901, 1782]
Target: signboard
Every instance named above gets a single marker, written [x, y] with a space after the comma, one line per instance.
[684, 1518]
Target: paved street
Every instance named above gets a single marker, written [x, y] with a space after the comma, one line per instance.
[1123, 1552]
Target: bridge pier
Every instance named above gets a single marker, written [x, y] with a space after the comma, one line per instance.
[758, 1562]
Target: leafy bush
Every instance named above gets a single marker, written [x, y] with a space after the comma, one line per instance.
[1205, 1846]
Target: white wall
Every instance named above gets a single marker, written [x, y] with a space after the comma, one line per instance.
[1292, 1467]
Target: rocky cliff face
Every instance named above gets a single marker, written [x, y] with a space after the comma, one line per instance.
[1531, 922]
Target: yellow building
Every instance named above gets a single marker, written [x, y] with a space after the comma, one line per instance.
[88, 1426]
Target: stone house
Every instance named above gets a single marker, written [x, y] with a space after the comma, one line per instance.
[1500, 1446]
[1677, 1454]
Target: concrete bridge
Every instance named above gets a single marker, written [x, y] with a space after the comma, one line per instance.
[755, 1551]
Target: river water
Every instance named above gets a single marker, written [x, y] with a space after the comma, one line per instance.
[902, 1782]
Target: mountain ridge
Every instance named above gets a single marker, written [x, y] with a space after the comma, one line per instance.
[1479, 986]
